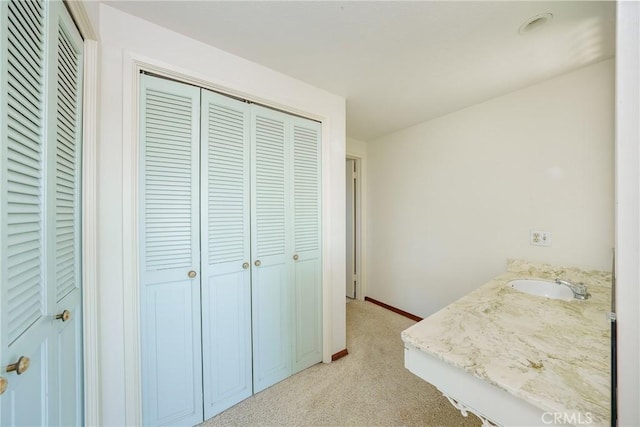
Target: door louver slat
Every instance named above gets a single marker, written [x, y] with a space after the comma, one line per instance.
[67, 150]
[306, 192]
[226, 139]
[168, 180]
[270, 186]
[24, 165]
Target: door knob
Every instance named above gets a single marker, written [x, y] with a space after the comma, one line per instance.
[3, 385]
[295, 257]
[191, 274]
[20, 366]
[64, 316]
[245, 265]
[257, 263]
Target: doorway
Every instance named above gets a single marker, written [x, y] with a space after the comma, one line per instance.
[353, 228]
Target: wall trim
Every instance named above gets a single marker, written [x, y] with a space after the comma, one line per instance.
[627, 211]
[394, 309]
[90, 321]
[130, 249]
[81, 19]
[339, 355]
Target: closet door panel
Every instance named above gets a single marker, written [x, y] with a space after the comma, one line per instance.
[270, 248]
[172, 388]
[226, 286]
[308, 314]
[65, 216]
[271, 331]
[170, 252]
[25, 401]
[306, 243]
[69, 407]
[25, 329]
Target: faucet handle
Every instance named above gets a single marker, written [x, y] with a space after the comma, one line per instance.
[582, 288]
[580, 291]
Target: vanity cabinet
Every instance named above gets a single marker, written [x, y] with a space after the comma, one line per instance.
[230, 249]
[469, 394]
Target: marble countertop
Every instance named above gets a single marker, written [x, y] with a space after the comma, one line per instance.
[553, 354]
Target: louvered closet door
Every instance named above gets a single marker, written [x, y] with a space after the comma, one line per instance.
[170, 252]
[63, 230]
[306, 243]
[40, 214]
[25, 326]
[226, 276]
[271, 248]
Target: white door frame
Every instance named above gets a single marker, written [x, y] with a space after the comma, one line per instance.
[627, 220]
[359, 225]
[351, 241]
[90, 331]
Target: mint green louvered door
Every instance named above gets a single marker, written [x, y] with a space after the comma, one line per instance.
[226, 252]
[65, 226]
[306, 241]
[170, 252]
[271, 246]
[40, 254]
[229, 192]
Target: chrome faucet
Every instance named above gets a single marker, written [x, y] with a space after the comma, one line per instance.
[579, 290]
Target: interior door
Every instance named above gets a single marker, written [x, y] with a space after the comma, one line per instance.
[307, 239]
[65, 228]
[226, 252]
[25, 321]
[41, 89]
[270, 241]
[351, 229]
[170, 252]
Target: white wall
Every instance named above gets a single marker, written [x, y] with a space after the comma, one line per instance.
[452, 198]
[126, 40]
[628, 211]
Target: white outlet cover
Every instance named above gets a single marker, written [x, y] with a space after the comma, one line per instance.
[540, 238]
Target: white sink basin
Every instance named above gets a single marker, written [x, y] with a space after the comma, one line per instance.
[542, 288]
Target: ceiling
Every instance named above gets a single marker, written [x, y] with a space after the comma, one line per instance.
[398, 63]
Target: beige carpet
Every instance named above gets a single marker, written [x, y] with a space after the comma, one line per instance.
[369, 387]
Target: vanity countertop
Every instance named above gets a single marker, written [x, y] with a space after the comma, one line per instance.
[551, 353]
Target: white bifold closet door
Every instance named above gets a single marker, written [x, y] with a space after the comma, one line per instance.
[306, 195]
[40, 216]
[230, 250]
[170, 252]
[271, 248]
[226, 252]
[286, 236]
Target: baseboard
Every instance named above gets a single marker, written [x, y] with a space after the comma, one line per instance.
[395, 310]
[339, 355]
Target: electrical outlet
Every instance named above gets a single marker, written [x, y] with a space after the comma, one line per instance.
[540, 238]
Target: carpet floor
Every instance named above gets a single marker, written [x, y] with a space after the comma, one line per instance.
[369, 387]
